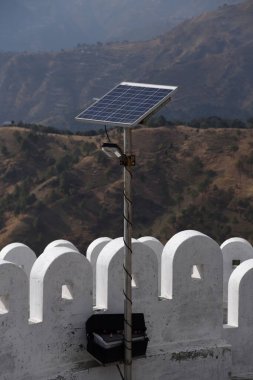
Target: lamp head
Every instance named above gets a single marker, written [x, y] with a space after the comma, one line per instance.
[112, 150]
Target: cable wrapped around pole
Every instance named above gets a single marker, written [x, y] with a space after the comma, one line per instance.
[128, 257]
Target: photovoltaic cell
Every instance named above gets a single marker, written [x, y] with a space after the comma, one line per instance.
[127, 104]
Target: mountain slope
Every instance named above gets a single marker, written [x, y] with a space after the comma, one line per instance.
[46, 25]
[55, 186]
[209, 57]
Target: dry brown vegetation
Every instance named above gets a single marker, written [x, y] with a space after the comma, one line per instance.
[56, 186]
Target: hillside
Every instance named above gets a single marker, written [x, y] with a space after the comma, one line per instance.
[209, 57]
[52, 25]
[56, 186]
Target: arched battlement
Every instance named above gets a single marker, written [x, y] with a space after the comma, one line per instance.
[239, 288]
[238, 330]
[110, 281]
[157, 247]
[60, 243]
[234, 251]
[191, 278]
[110, 275]
[92, 253]
[14, 309]
[14, 313]
[19, 254]
[61, 286]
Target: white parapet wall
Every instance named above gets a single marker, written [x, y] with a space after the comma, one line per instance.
[45, 303]
[239, 328]
[19, 254]
[234, 251]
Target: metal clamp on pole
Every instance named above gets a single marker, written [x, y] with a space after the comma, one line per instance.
[127, 160]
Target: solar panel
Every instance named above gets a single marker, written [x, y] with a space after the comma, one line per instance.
[127, 104]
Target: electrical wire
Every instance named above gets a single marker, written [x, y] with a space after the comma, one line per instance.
[108, 138]
[121, 375]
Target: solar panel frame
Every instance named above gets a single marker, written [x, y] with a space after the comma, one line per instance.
[138, 118]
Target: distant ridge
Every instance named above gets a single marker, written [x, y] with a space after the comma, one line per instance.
[209, 57]
[52, 25]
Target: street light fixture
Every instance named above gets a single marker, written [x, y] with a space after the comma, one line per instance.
[127, 105]
[112, 150]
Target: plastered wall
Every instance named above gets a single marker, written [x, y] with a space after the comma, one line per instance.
[182, 288]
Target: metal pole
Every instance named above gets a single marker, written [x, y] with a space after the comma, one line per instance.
[128, 256]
